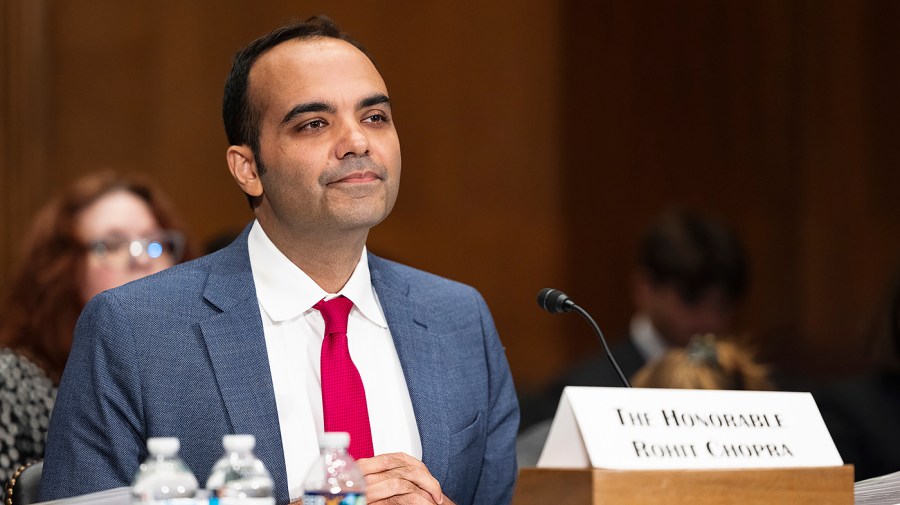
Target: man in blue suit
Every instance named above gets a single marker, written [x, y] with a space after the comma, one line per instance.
[229, 343]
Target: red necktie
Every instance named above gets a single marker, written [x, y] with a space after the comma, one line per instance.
[343, 394]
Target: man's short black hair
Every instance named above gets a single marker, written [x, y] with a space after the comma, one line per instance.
[694, 254]
[239, 113]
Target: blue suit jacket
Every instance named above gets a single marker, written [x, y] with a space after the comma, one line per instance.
[182, 353]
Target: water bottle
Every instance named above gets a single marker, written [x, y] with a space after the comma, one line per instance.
[334, 478]
[164, 479]
[239, 478]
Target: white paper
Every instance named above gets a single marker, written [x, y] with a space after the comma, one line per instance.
[669, 429]
[122, 496]
[115, 496]
[883, 490]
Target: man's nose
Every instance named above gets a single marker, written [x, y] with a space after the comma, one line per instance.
[353, 141]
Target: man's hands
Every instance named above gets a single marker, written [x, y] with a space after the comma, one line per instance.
[400, 479]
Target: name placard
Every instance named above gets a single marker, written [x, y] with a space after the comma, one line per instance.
[671, 429]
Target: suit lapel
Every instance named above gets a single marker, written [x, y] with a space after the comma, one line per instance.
[237, 350]
[412, 328]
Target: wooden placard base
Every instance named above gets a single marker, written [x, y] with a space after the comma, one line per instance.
[781, 486]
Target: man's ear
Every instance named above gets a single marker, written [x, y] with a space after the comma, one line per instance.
[243, 168]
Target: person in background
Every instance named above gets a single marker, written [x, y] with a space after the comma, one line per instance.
[102, 231]
[295, 328]
[691, 272]
[705, 363]
[26, 399]
[863, 413]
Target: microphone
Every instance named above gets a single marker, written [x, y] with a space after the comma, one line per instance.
[555, 301]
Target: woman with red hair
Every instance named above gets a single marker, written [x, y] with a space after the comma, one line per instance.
[104, 230]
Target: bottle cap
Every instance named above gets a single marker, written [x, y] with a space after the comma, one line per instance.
[163, 446]
[334, 440]
[238, 443]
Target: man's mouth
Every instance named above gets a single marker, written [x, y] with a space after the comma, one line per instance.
[358, 178]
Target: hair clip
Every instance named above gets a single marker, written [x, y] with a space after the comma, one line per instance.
[701, 350]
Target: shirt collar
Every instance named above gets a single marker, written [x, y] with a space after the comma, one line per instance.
[286, 292]
[646, 338]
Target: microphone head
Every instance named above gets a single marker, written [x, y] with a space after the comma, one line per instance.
[554, 301]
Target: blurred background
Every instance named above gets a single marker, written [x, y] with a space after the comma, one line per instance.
[539, 139]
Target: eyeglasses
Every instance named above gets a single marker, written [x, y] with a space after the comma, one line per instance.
[118, 251]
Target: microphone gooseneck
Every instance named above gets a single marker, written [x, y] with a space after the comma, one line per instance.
[556, 302]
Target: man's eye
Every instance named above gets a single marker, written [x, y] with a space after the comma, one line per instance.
[376, 118]
[313, 125]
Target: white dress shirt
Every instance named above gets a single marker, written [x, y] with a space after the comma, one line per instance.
[294, 332]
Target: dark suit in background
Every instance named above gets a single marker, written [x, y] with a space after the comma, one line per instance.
[863, 417]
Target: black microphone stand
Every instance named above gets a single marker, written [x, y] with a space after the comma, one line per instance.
[602, 339]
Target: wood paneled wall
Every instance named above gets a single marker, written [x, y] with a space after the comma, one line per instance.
[775, 115]
[539, 139]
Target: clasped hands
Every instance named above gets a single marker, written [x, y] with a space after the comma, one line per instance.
[400, 479]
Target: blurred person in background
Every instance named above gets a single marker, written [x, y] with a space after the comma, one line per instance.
[863, 413]
[705, 363]
[691, 273]
[102, 231]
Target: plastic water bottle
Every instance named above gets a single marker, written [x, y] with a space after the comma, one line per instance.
[239, 478]
[334, 478]
[164, 479]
